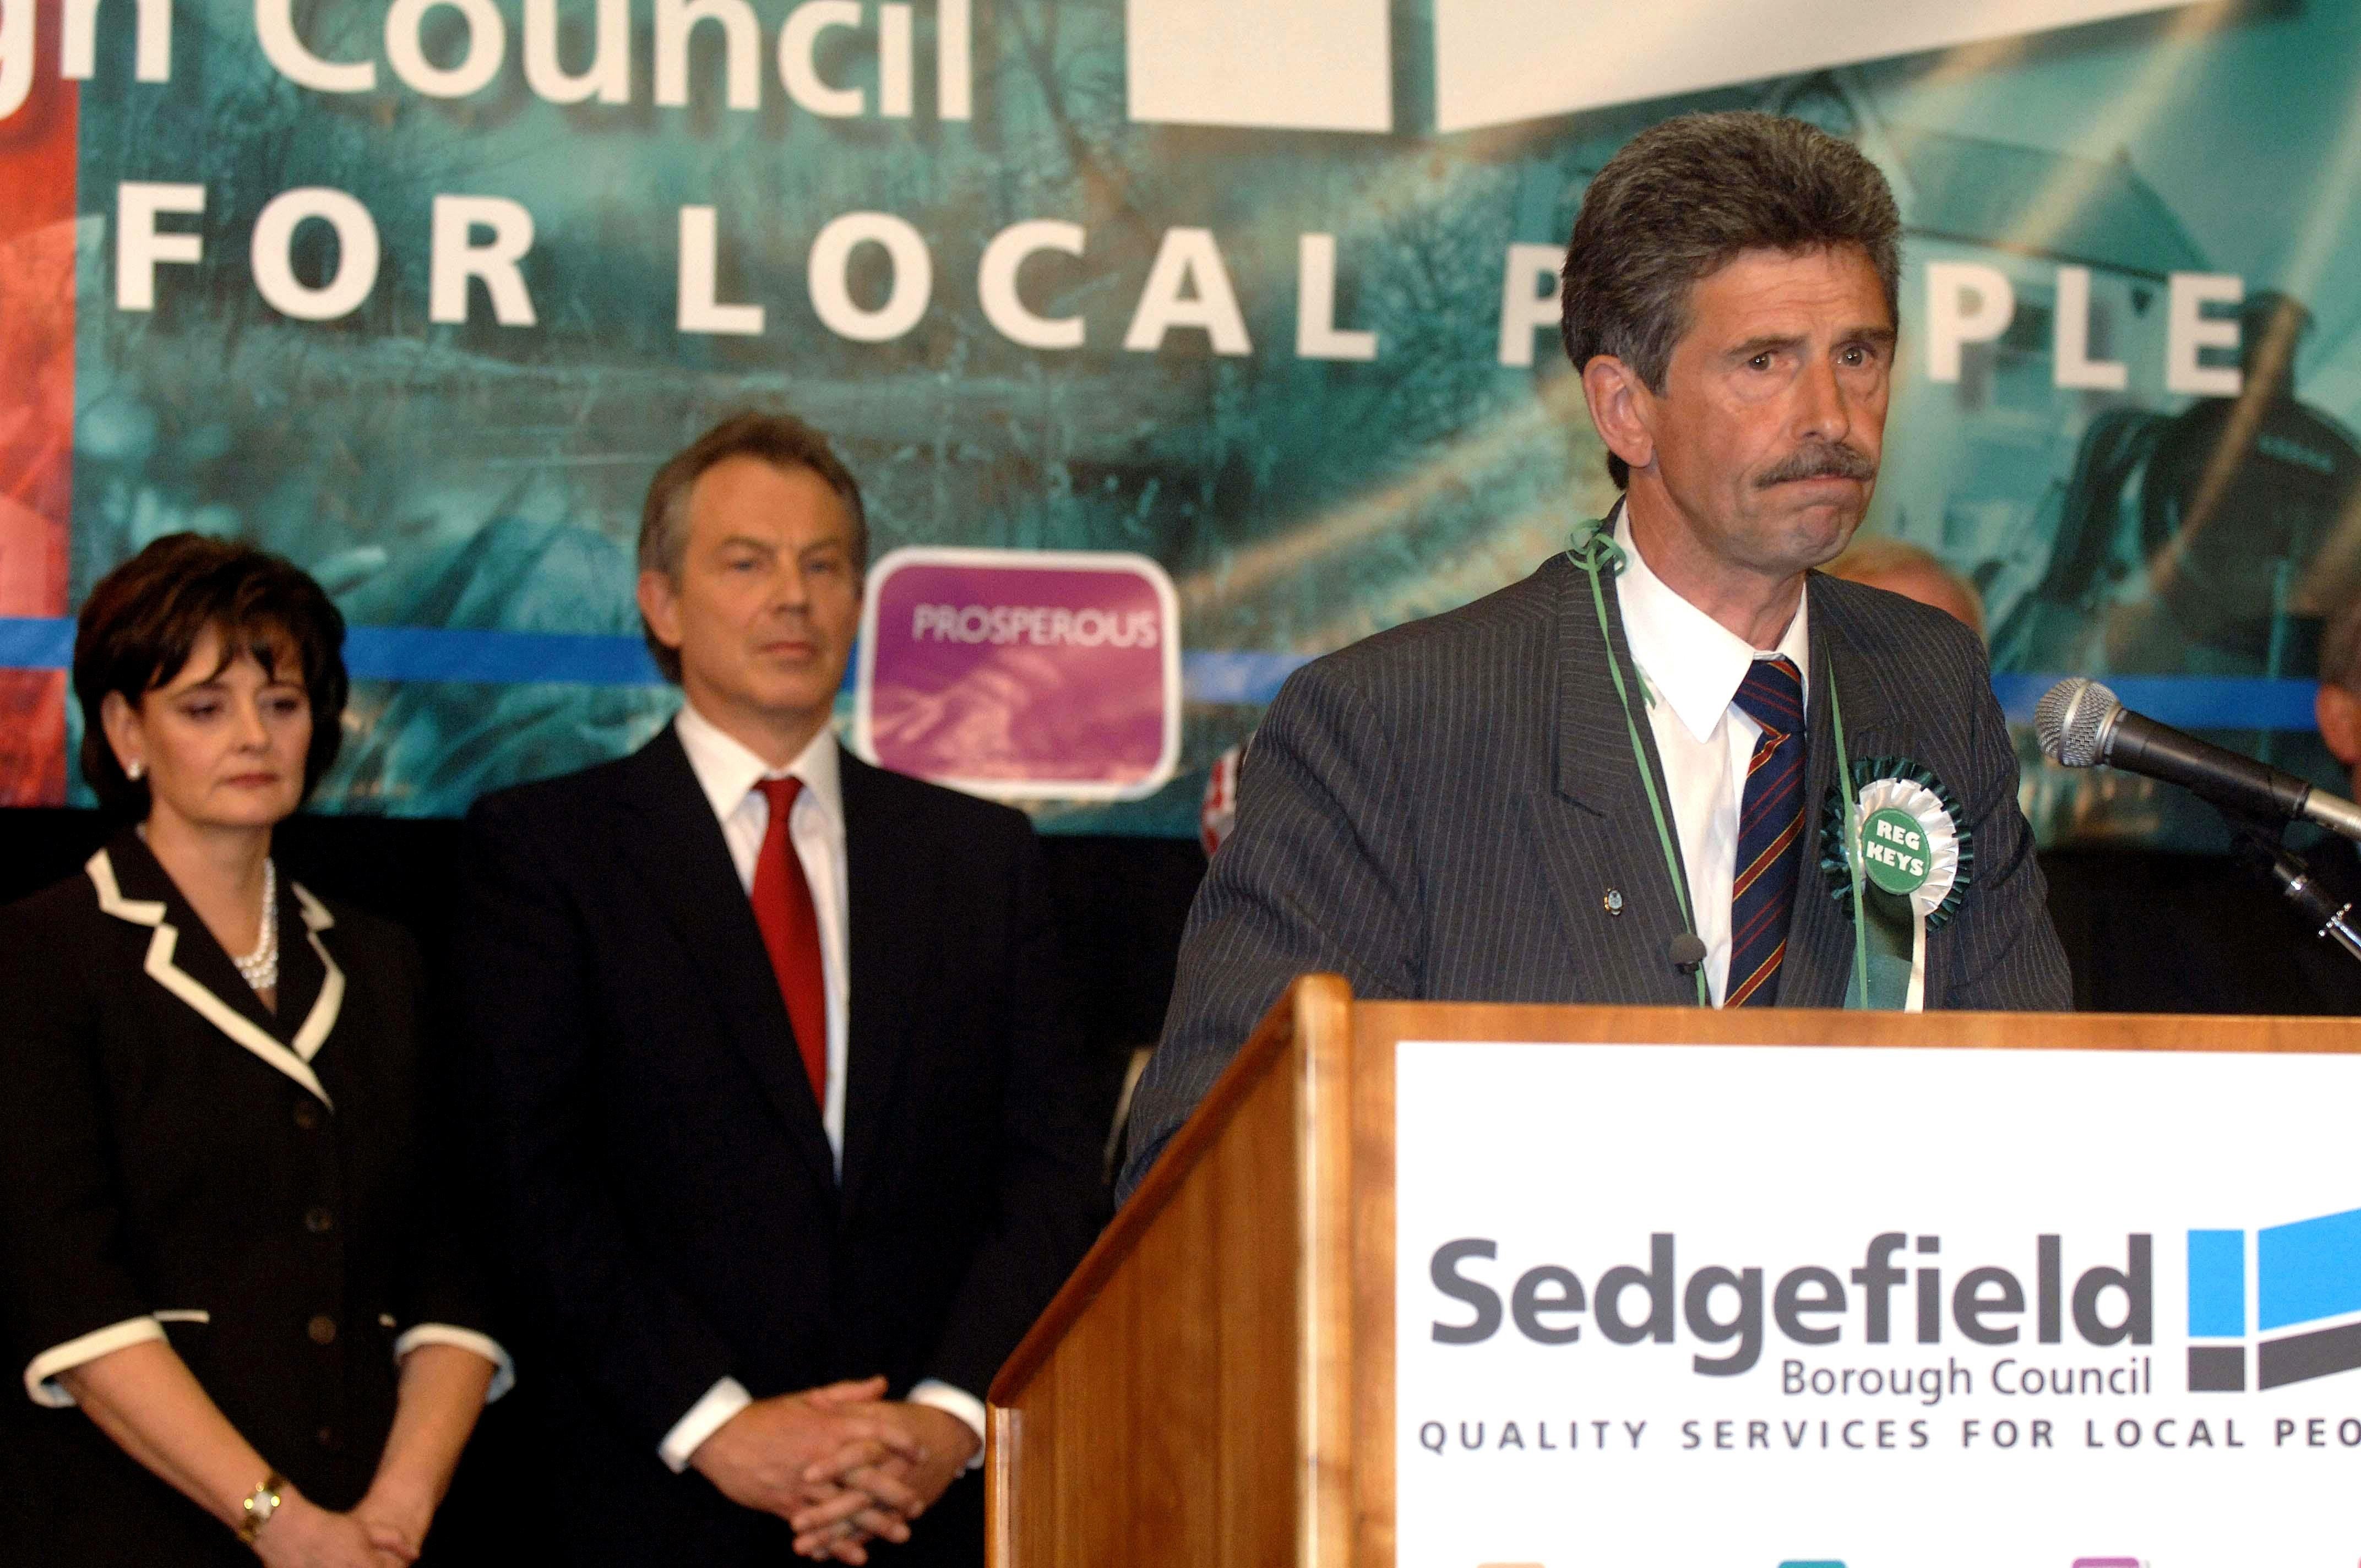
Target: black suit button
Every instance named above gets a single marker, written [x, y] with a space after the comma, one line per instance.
[325, 1437]
[323, 1330]
[319, 1221]
[307, 1115]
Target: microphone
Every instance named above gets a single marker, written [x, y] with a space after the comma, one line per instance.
[2330, 921]
[2079, 723]
[1687, 952]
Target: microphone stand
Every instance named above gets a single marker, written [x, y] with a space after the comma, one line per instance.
[2258, 848]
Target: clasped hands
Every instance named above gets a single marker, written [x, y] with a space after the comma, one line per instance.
[383, 1531]
[841, 1464]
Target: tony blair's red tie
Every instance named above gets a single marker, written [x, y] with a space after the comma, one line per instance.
[1770, 821]
[783, 908]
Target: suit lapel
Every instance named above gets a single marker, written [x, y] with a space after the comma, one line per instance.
[1593, 774]
[184, 958]
[1819, 965]
[675, 843]
[1594, 778]
[892, 878]
[302, 963]
[315, 968]
[1594, 754]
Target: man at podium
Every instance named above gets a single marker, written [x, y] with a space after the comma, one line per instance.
[1638, 776]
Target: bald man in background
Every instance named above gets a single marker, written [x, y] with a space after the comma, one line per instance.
[2337, 710]
[1900, 567]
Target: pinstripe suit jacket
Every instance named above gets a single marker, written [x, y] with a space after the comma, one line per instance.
[1440, 811]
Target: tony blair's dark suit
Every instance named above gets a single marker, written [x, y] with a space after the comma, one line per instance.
[1443, 810]
[670, 1209]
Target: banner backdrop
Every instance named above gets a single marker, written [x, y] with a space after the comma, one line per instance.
[421, 293]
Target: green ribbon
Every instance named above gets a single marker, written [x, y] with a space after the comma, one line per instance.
[1886, 925]
[1890, 928]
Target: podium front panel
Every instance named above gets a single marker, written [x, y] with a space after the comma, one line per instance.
[1486, 1286]
[1765, 1303]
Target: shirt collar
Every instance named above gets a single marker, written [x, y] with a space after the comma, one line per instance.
[727, 769]
[1694, 662]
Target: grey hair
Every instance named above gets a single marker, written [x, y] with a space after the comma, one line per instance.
[1685, 198]
[781, 439]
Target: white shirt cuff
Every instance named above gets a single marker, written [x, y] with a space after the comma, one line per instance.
[705, 1417]
[957, 1402]
[503, 1369]
[40, 1374]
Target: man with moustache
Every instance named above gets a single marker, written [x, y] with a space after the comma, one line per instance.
[788, 1136]
[1468, 807]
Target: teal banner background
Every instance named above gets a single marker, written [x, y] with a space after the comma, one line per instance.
[482, 480]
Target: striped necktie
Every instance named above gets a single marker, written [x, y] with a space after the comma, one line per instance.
[1770, 821]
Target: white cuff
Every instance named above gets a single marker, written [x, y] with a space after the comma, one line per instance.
[503, 1369]
[705, 1417]
[41, 1374]
[957, 1402]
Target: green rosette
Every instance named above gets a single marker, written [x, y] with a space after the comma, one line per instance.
[1918, 861]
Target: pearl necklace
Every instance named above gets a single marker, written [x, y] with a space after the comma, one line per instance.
[260, 969]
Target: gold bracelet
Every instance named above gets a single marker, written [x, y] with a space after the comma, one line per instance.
[260, 1505]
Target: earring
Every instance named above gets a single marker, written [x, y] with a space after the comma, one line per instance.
[136, 771]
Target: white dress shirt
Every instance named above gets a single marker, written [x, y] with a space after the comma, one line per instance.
[1692, 666]
[729, 772]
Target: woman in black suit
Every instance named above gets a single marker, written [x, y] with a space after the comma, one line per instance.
[215, 1237]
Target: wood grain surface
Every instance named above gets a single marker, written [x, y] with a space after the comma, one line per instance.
[1186, 1397]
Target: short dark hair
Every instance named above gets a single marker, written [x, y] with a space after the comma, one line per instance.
[781, 439]
[146, 617]
[1685, 198]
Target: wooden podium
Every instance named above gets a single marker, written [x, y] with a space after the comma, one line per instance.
[1215, 1384]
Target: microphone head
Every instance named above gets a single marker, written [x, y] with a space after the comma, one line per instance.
[1686, 950]
[2071, 719]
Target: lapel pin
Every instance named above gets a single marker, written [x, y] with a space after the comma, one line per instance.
[1613, 900]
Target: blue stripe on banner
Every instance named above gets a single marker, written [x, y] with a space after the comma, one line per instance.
[505, 658]
[2189, 702]
[29, 644]
[513, 658]
[1238, 677]
[408, 653]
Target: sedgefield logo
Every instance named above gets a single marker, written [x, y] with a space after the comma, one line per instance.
[2306, 1273]
[2108, 1303]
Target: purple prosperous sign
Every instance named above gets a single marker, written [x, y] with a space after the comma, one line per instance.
[1021, 673]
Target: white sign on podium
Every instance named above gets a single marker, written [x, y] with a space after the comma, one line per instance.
[1715, 1307]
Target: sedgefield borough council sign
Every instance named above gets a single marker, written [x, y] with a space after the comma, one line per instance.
[1740, 1306]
